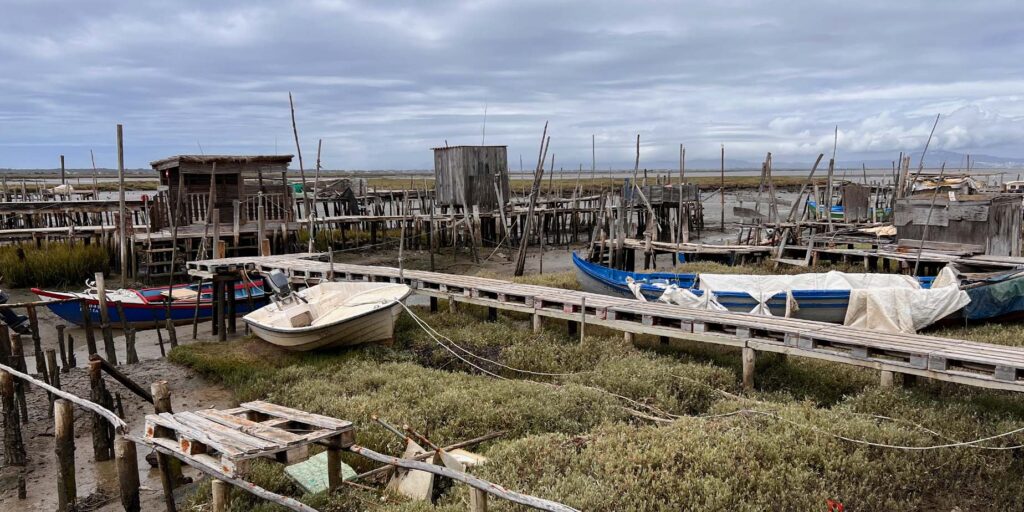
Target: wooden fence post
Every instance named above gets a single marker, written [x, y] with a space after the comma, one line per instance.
[170, 470]
[54, 373]
[127, 473]
[749, 357]
[63, 348]
[64, 434]
[37, 348]
[108, 335]
[90, 337]
[18, 363]
[477, 500]
[72, 360]
[102, 431]
[14, 446]
[221, 492]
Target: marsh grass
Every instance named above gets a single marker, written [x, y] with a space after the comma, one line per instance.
[54, 264]
[576, 443]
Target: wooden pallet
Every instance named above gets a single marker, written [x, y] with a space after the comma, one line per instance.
[224, 440]
[975, 364]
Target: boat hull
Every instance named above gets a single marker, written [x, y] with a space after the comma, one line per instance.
[375, 326]
[818, 305]
[146, 315]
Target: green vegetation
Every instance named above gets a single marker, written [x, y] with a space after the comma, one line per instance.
[54, 264]
[571, 439]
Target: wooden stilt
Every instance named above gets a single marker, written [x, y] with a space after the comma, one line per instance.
[14, 446]
[221, 494]
[749, 358]
[102, 432]
[108, 335]
[64, 436]
[127, 473]
[477, 500]
[886, 379]
[170, 470]
[537, 323]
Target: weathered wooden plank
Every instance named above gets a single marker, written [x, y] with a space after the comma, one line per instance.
[298, 416]
[252, 428]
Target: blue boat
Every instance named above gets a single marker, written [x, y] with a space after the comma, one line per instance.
[148, 307]
[819, 305]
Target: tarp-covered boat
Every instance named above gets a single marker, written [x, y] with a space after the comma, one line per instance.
[329, 314]
[822, 297]
[147, 307]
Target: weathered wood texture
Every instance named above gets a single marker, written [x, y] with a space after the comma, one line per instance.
[465, 175]
[993, 222]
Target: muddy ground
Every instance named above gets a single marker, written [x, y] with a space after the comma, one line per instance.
[97, 482]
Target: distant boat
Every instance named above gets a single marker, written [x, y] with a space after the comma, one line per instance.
[147, 307]
[330, 314]
[819, 305]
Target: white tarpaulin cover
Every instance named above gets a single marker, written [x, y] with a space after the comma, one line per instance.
[762, 288]
[683, 297]
[905, 310]
[886, 302]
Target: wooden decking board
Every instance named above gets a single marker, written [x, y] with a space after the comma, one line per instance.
[252, 428]
[812, 339]
[298, 416]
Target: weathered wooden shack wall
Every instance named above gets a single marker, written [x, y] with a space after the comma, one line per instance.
[231, 173]
[466, 176]
[991, 222]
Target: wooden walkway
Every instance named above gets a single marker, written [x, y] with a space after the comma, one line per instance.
[964, 362]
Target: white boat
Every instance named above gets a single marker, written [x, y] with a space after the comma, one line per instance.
[331, 314]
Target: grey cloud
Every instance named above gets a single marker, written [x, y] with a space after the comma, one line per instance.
[382, 82]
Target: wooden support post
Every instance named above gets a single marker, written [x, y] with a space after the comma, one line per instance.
[90, 336]
[583, 318]
[453, 306]
[72, 360]
[230, 292]
[63, 349]
[170, 470]
[102, 431]
[54, 374]
[749, 358]
[37, 348]
[492, 314]
[131, 356]
[221, 495]
[64, 436]
[887, 379]
[172, 333]
[18, 362]
[628, 337]
[537, 323]
[219, 290]
[477, 500]
[334, 464]
[14, 446]
[573, 327]
[433, 304]
[214, 289]
[108, 335]
[127, 473]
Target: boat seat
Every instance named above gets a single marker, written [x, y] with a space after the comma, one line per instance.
[301, 319]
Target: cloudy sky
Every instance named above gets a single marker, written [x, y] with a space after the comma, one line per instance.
[382, 82]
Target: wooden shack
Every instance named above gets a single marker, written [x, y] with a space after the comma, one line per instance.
[471, 175]
[992, 222]
[238, 184]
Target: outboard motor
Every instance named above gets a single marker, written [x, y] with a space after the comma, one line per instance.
[19, 323]
[282, 288]
[278, 282]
